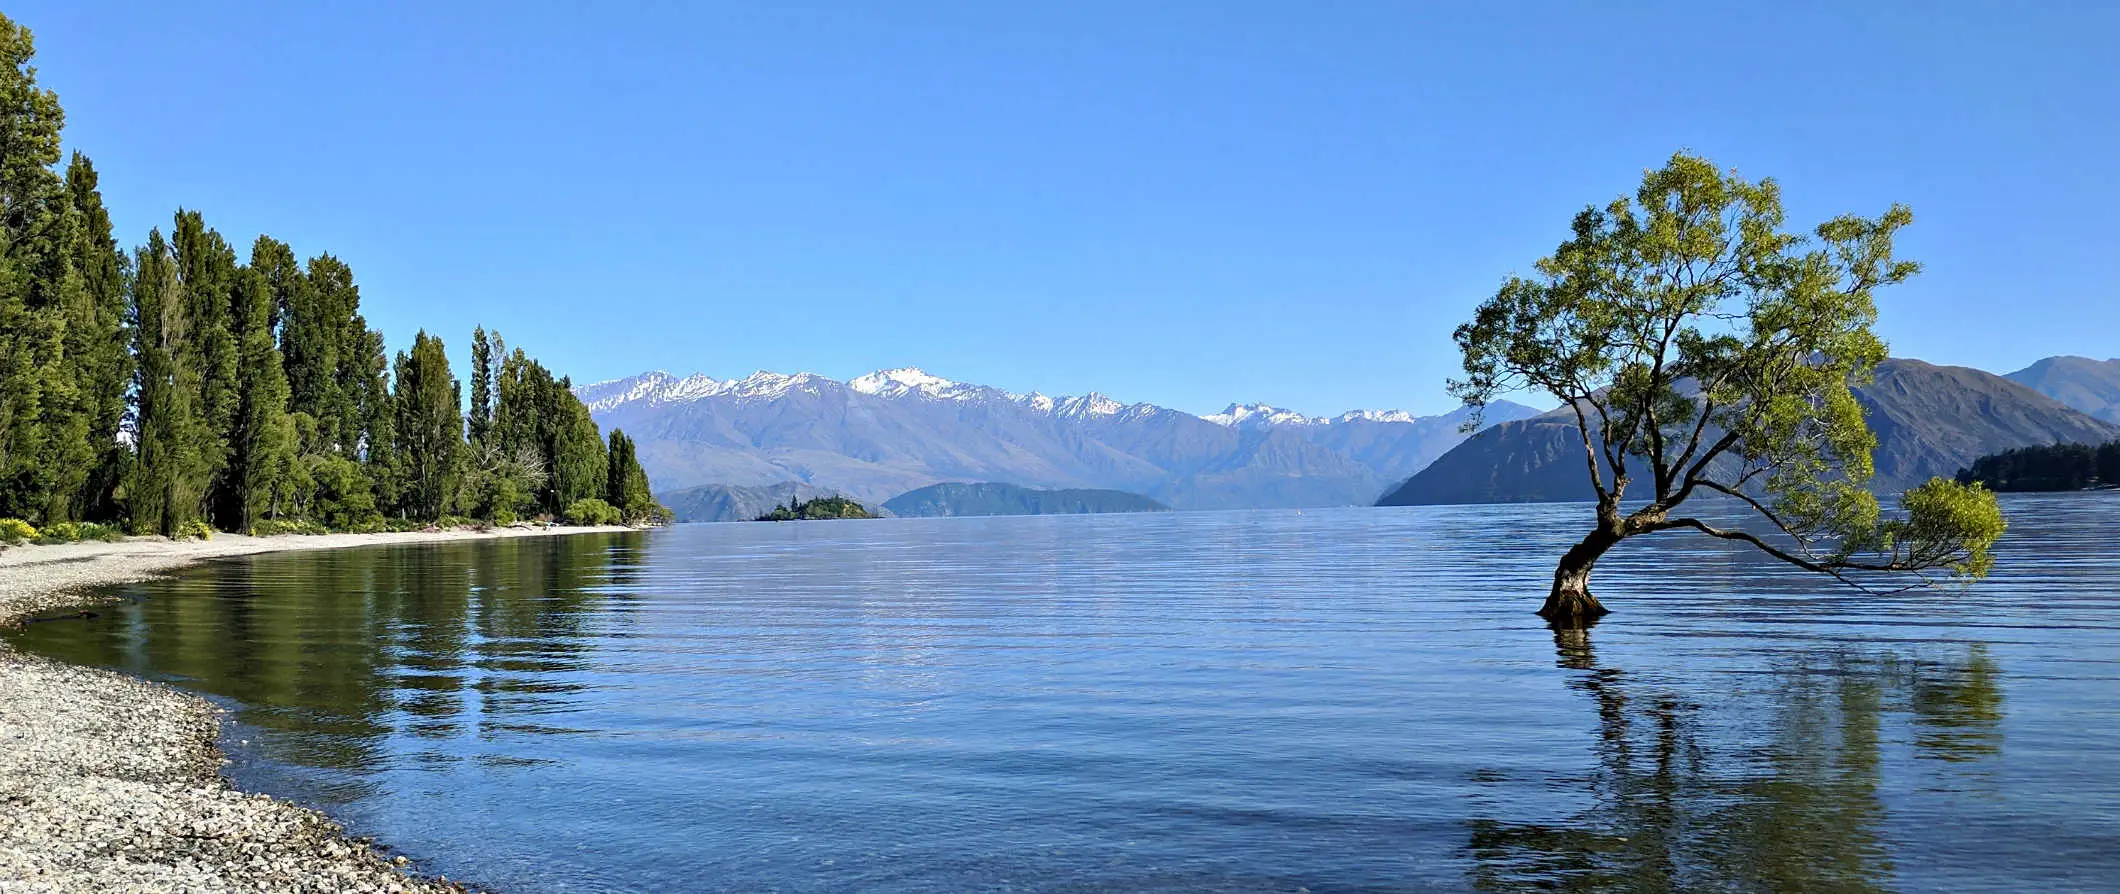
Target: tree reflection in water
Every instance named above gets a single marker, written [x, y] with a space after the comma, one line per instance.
[1791, 805]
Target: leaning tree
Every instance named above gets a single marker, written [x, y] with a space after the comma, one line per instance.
[1702, 349]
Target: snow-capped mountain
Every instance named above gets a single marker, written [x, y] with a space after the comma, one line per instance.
[881, 434]
[660, 387]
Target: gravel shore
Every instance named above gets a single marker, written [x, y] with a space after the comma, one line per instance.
[108, 783]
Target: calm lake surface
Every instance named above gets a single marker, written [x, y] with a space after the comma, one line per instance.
[1341, 700]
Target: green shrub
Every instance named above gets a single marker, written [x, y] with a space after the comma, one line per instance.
[273, 527]
[504, 517]
[105, 533]
[194, 530]
[591, 511]
[447, 522]
[15, 530]
[59, 532]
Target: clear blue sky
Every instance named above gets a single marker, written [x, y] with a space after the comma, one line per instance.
[1184, 203]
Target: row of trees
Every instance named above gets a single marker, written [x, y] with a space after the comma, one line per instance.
[2047, 468]
[179, 385]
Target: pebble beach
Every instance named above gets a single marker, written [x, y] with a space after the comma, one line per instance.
[109, 783]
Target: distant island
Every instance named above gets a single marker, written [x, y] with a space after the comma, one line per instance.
[996, 498]
[2047, 468]
[817, 509]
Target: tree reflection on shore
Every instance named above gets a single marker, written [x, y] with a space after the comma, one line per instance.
[1788, 801]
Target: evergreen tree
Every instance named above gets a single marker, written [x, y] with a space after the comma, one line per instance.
[262, 452]
[627, 483]
[207, 266]
[312, 327]
[169, 475]
[35, 273]
[481, 386]
[430, 432]
[373, 438]
[533, 411]
[579, 469]
[99, 343]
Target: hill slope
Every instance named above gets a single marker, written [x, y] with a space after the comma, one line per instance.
[889, 432]
[994, 498]
[2091, 386]
[1929, 421]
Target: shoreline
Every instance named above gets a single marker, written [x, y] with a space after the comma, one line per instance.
[112, 783]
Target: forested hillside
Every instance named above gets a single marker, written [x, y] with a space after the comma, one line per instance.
[178, 387]
[996, 498]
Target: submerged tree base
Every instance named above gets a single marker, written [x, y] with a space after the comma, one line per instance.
[1572, 608]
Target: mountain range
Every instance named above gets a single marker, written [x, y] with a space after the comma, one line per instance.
[883, 434]
[1929, 421]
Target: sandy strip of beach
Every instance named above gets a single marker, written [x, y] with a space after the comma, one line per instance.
[108, 783]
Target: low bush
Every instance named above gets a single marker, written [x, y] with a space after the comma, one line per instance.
[194, 530]
[105, 533]
[273, 527]
[59, 532]
[15, 530]
[591, 511]
[504, 517]
[447, 522]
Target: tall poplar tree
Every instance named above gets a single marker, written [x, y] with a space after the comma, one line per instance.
[169, 475]
[99, 343]
[34, 271]
[262, 449]
[481, 386]
[207, 266]
[626, 483]
[429, 430]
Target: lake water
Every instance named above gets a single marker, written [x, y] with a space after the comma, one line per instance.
[1338, 700]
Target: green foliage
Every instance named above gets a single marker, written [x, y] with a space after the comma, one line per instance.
[1693, 336]
[534, 411]
[626, 483]
[819, 508]
[75, 532]
[344, 498]
[169, 474]
[2053, 467]
[430, 434]
[98, 345]
[174, 384]
[39, 418]
[591, 511]
[273, 527]
[480, 419]
[263, 447]
[16, 531]
[196, 529]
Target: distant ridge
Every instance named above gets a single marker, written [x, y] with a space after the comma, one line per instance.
[1929, 420]
[2090, 386]
[995, 498]
[876, 436]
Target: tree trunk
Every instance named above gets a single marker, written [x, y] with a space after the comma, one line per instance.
[1570, 604]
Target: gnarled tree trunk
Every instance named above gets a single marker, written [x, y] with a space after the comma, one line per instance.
[1570, 604]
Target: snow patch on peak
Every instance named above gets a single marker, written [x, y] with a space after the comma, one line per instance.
[1253, 415]
[1091, 404]
[763, 385]
[605, 395]
[1376, 416]
[910, 380]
